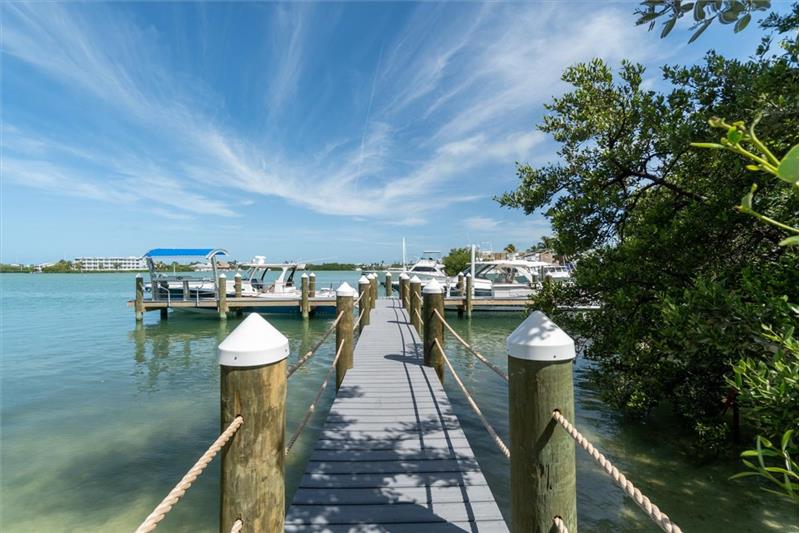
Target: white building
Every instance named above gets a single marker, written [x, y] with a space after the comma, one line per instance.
[111, 263]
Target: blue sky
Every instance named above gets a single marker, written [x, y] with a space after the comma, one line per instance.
[314, 131]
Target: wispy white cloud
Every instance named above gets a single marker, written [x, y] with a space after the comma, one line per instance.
[452, 97]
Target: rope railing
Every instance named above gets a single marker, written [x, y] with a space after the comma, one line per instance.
[161, 510]
[313, 407]
[652, 510]
[303, 360]
[360, 296]
[492, 433]
[472, 350]
[358, 320]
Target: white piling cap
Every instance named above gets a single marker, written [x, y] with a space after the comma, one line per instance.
[139, 275]
[223, 276]
[304, 276]
[345, 290]
[403, 276]
[432, 287]
[469, 275]
[415, 279]
[254, 342]
[312, 275]
[539, 339]
[363, 280]
[372, 275]
[389, 274]
[237, 275]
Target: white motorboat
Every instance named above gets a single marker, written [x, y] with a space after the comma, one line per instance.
[256, 283]
[428, 268]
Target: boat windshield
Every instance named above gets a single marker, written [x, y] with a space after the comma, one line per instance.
[423, 269]
[503, 274]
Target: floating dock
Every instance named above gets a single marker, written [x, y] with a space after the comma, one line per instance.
[392, 455]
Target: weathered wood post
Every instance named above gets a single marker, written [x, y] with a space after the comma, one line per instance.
[388, 285]
[468, 296]
[186, 294]
[304, 295]
[540, 357]
[403, 289]
[154, 290]
[460, 289]
[415, 288]
[365, 295]
[138, 304]
[312, 285]
[373, 286]
[253, 385]
[344, 330]
[222, 297]
[433, 299]
[237, 291]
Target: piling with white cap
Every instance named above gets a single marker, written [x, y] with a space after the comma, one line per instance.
[404, 290]
[304, 307]
[373, 287]
[138, 305]
[312, 285]
[222, 297]
[388, 284]
[344, 330]
[365, 296]
[253, 385]
[433, 300]
[540, 359]
[415, 288]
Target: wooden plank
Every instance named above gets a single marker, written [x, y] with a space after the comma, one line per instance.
[391, 455]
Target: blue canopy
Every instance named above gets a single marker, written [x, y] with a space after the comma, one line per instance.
[208, 253]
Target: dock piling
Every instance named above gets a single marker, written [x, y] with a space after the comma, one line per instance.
[415, 287]
[253, 386]
[138, 305]
[344, 330]
[373, 286]
[468, 295]
[460, 289]
[312, 285]
[433, 299]
[388, 284]
[404, 290]
[365, 301]
[540, 357]
[304, 307]
[222, 297]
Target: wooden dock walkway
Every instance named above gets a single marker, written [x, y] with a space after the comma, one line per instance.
[392, 456]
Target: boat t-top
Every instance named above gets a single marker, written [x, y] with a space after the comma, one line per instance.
[255, 282]
[506, 278]
[165, 285]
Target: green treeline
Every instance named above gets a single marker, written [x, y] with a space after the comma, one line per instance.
[331, 266]
[697, 296]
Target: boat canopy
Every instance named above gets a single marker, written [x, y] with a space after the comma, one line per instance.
[206, 253]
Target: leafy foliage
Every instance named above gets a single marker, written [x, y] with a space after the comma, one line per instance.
[703, 12]
[685, 279]
[456, 261]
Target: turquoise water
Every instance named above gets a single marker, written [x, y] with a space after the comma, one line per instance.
[101, 417]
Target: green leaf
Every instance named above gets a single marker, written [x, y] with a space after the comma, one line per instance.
[699, 10]
[685, 8]
[742, 24]
[790, 241]
[747, 200]
[728, 16]
[667, 27]
[786, 438]
[647, 17]
[699, 32]
[734, 135]
[713, 146]
[787, 170]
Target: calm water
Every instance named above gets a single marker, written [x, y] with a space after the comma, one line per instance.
[100, 418]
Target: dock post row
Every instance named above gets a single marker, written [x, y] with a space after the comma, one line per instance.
[253, 387]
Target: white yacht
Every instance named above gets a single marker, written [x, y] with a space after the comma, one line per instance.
[510, 278]
[255, 282]
[428, 268]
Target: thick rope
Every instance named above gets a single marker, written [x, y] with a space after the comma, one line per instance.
[471, 401]
[360, 316]
[237, 526]
[470, 348]
[619, 478]
[313, 406]
[183, 485]
[300, 362]
[560, 526]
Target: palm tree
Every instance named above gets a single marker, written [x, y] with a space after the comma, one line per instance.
[510, 248]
